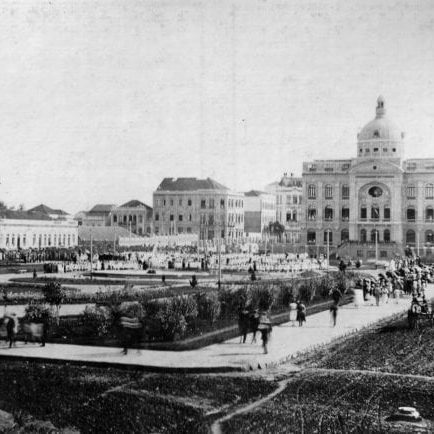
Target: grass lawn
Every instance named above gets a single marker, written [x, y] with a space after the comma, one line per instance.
[116, 401]
[391, 348]
[336, 402]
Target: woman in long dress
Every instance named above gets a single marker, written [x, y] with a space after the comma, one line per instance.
[292, 312]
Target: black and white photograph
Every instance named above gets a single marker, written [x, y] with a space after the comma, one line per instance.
[216, 216]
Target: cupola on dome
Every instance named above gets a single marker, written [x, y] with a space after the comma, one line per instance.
[380, 128]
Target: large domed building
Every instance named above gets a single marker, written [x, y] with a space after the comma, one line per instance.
[374, 205]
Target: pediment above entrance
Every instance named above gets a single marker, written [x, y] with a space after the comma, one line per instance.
[375, 167]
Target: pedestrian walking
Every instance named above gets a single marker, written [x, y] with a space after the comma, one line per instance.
[334, 313]
[301, 313]
[131, 328]
[265, 328]
[292, 312]
[12, 329]
[243, 324]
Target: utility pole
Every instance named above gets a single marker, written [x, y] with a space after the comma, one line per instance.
[328, 249]
[376, 245]
[91, 254]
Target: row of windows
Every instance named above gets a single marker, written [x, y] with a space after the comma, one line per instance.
[211, 203]
[172, 217]
[173, 231]
[374, 236]
[290, 199]
[428, 190]
[124, 219]
[328, 191]
[375, 150]
[43, 240]
[374, 214]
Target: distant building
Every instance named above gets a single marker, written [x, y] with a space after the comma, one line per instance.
[259, 212]
[99, 215]
[135, 216]
[374, 205]
[40, 227]
[198, 206]
[289, 196]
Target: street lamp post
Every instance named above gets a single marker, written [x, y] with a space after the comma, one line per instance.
[328, 249]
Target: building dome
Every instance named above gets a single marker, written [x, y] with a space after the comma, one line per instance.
[380, 128]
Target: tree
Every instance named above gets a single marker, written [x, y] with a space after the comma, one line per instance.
[276, 229]
[54, 295]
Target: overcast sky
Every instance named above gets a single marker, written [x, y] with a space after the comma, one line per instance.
[101, 100]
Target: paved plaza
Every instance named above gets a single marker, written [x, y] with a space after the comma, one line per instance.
[286, 341]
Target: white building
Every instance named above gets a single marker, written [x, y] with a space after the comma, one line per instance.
[289, 196]
[36, 230]
[259, 212]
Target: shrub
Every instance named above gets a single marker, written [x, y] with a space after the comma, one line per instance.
[208, 306]
[97, 320]
[262, 296]
[233, 298]
[173, 324]
[37, 312]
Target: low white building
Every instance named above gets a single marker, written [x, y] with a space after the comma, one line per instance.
[36, 230]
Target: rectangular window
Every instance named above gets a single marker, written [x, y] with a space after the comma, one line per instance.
[211, 203]
[164, 202]
[294, 200]
[363, 213]
[345, 192]
[157, 217]
[222, 203]
[375, 213]
[189, 202]
[180, 230]
[386, 213]
[203, 203]
[383, 253]
[171, 217]
[180, 217]
[188, 230]
[411, 192]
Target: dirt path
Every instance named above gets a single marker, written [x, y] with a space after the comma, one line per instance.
[216, 427]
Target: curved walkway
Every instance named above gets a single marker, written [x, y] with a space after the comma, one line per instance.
[286, 342]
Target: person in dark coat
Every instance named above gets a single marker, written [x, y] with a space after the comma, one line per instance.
[265, 328]
[243, 324]
[11, 329]
[301, 313]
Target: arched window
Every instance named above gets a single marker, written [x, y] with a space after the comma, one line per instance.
[345, 213]
[429, 191]
[328, 236]
[375, 212]
[411, 214]
[345, 235]
[311, 191]
[386, 236]
[411, 192]
[311, 237]
[410, 237]
[429, 237]
[374, 236]
[363, 235]
[311, 214]
[328, 213]
[328, 191]
[345, 192]
[429, 214]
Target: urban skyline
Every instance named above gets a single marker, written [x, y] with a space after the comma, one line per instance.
[112, 101]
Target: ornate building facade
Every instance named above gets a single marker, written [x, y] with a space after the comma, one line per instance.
[374, 205]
